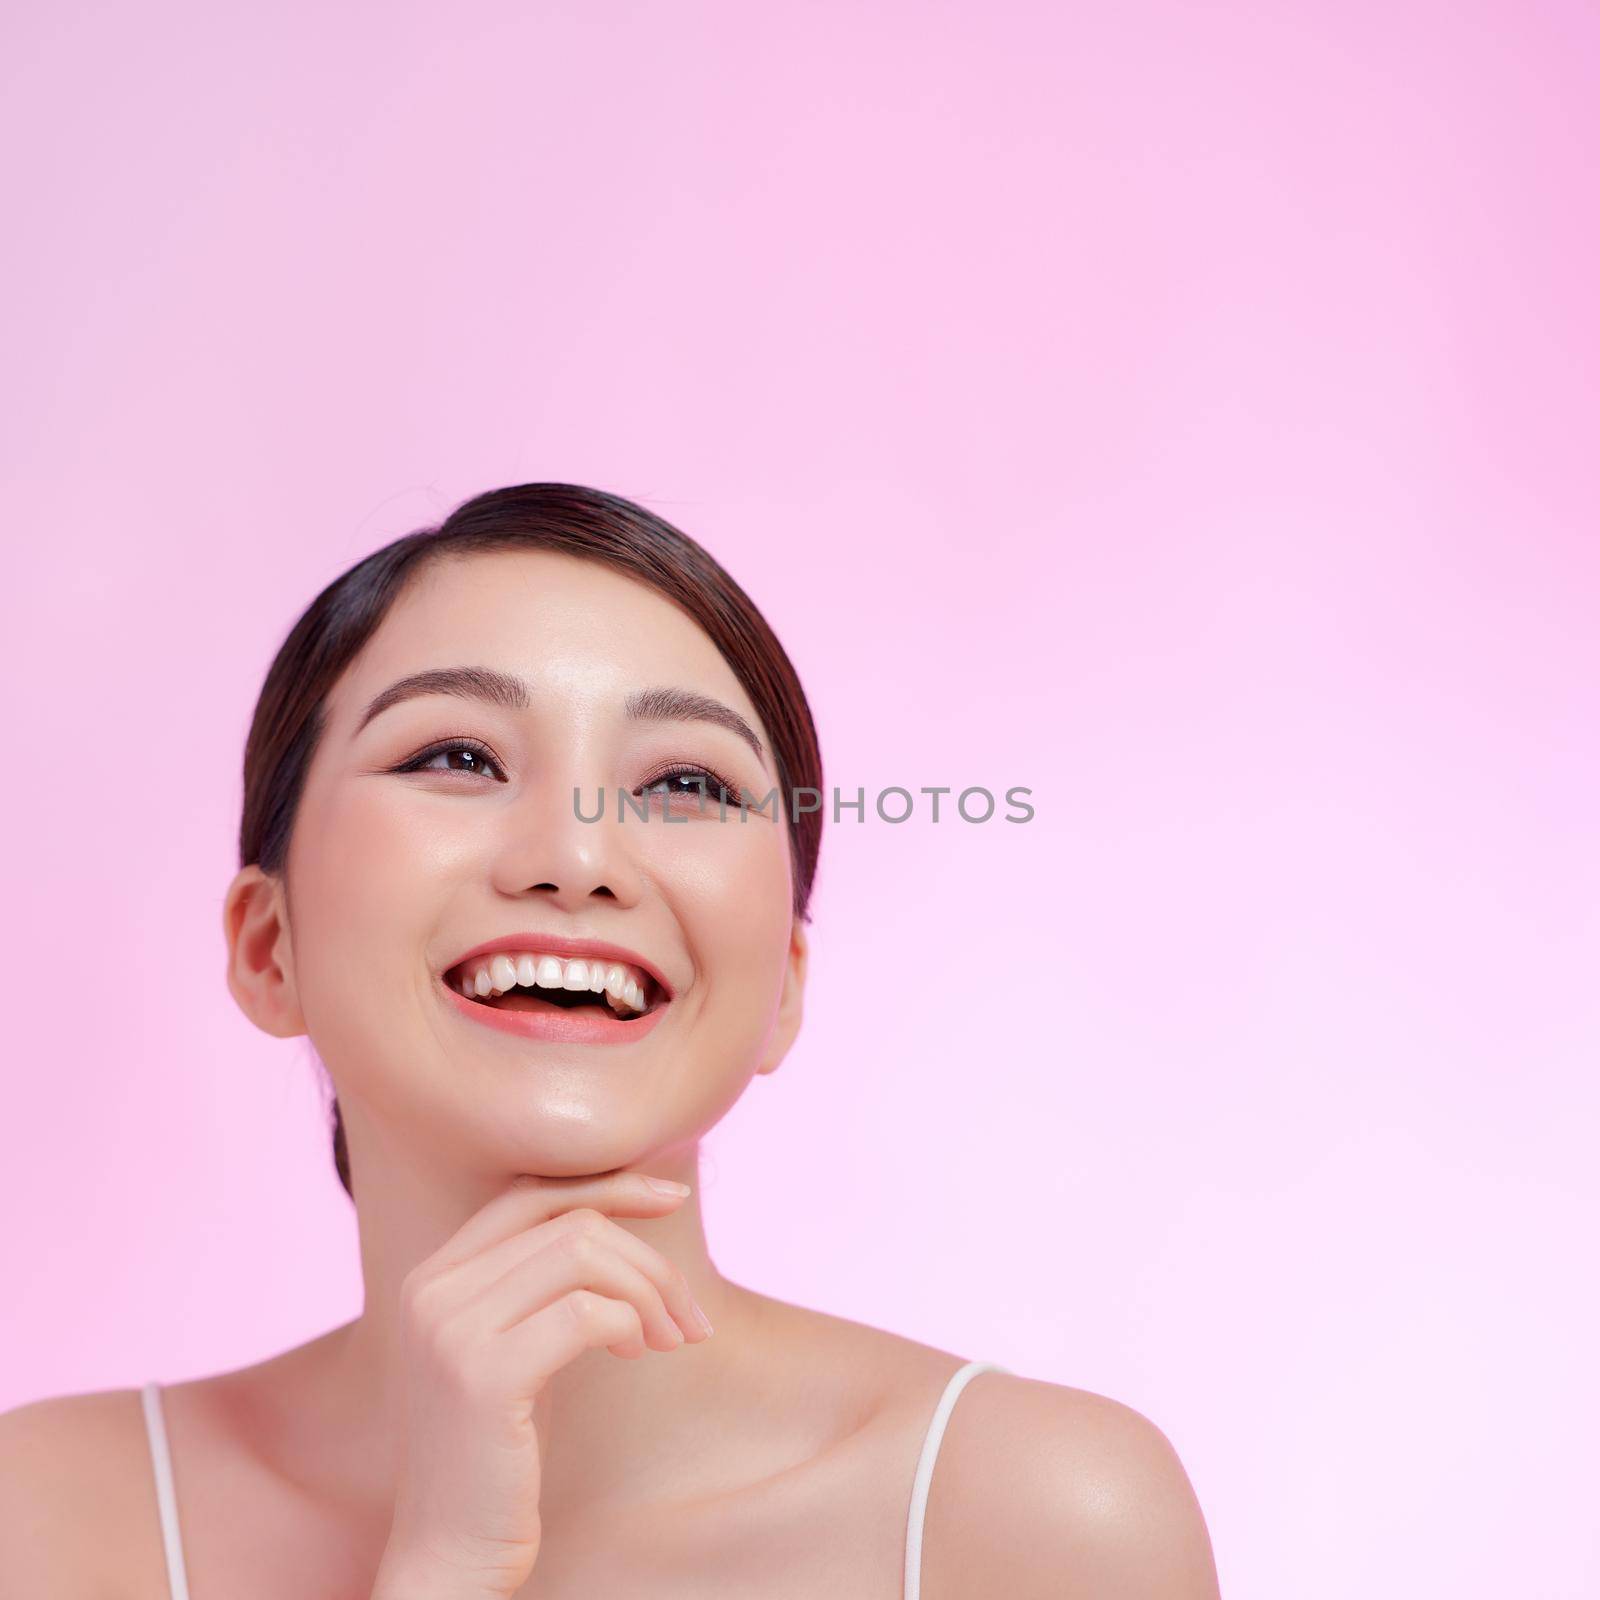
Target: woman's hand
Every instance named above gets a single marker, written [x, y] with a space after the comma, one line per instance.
[538, 1276]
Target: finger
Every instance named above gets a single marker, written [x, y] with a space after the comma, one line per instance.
[579, 1258]
[471, 1278]
[531, 1199]
[549, 1339]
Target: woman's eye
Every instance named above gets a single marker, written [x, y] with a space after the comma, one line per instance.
[694, 782]
[479, 757]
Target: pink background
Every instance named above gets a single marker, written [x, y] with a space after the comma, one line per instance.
[1187, 412]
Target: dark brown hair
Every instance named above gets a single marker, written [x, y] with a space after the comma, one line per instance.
[290, 713]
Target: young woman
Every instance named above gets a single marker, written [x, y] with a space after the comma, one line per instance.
[520, 853]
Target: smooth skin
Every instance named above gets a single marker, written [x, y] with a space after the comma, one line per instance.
[538, 1276]
[526, 1404]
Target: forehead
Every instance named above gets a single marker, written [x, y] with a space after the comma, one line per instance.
[564, 624]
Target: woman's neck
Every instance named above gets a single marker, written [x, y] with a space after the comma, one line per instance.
[610, 1429]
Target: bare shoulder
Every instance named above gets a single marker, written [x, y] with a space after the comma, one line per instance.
[1041, 1489]
[78, 1516]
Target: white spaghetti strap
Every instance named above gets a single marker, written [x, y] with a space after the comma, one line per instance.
[930, 1453]
[166, 1500]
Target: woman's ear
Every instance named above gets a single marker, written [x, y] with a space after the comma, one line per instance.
[260, 956]
[791, 1003]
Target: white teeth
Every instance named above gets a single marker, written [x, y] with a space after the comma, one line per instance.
[623, 986]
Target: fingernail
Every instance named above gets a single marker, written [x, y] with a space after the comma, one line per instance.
[705, 1321]
[667, 1186]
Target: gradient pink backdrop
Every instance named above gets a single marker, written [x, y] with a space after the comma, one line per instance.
[1188, 412]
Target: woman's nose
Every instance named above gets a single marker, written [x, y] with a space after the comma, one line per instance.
[561, 841]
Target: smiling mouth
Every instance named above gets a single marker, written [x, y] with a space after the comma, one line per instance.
[532, 982]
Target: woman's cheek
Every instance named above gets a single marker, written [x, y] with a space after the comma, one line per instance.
[736, 870]
[359, 941]
[745, 947]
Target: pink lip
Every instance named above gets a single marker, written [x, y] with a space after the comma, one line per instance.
[560, 1027]
[556, 944]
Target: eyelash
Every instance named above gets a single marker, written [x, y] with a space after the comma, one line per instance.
[684, 769]
[482, 752]
[692, 770]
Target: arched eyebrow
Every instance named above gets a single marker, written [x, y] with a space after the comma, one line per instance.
[512, 694]
[688, 705]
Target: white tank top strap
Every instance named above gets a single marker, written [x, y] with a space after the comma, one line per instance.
[172, 1541]
[166, 1500]
[959, 1379]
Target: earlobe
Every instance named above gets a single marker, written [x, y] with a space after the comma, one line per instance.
[260, 961]
[791, 1004]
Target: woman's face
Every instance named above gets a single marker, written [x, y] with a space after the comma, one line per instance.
[394, 876]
